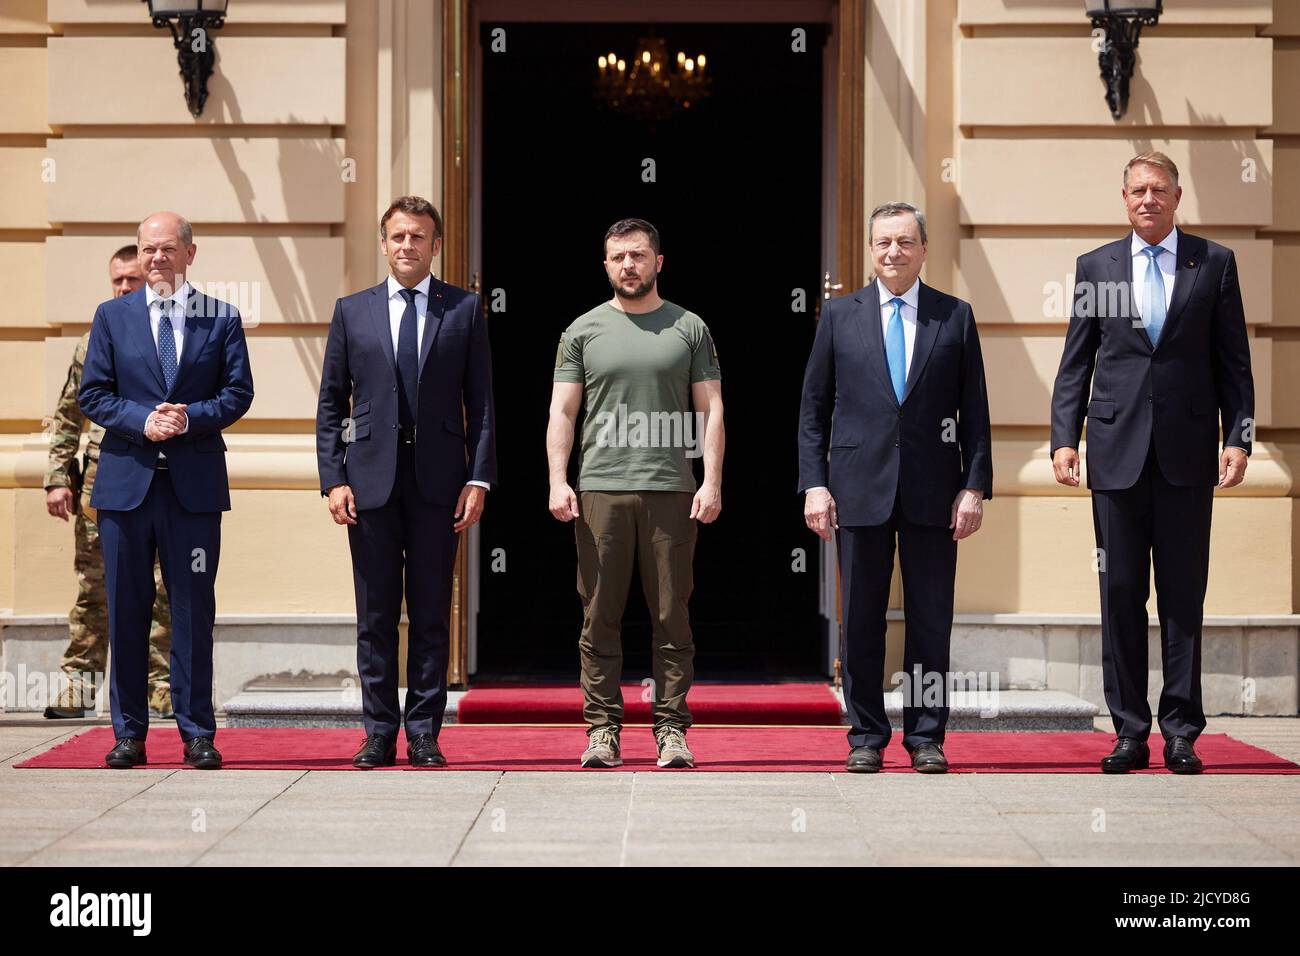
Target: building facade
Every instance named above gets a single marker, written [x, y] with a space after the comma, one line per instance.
[989, 114]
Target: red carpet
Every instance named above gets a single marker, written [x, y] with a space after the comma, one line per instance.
[802, 704]
[819, 749]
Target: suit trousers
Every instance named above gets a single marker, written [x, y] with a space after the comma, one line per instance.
[405, 547]
[655, 530]
[928, 556]
[1153, 519]
[188, 546]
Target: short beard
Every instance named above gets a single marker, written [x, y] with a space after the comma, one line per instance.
[641, 292]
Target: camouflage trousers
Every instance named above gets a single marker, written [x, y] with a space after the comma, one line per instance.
[87, 651]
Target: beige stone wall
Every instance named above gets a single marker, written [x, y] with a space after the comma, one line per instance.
[282, 177]
[1022, 167]
[989, 112]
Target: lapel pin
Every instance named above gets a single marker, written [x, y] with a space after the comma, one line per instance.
[1191, 263]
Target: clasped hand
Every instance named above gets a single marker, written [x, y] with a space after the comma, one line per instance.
[167, 420]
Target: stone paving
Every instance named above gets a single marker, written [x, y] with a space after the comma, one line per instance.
[269, 817]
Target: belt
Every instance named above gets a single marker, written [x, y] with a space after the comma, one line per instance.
[406, 436]
[162, 465]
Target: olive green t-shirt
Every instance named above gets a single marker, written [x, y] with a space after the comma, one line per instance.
[641, 431]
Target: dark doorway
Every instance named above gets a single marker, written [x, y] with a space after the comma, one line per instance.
[738, 202]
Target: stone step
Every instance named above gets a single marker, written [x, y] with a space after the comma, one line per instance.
[1006, 710]
[280, 707]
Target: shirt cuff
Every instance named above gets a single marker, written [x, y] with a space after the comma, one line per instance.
[808, 491]
[481, 484]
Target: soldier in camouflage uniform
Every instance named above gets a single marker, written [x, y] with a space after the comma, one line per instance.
[68, 484]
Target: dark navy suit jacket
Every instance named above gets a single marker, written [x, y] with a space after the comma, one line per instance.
[123, 381]
[856, 439]
[1171, 393]
[455, 439]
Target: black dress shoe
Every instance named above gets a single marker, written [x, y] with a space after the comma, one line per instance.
[1129, 754]
[422, 751]
[929, 758]
[200, 754]
[129, 752]
[377, 751]
[863, 760]
[1180, 756]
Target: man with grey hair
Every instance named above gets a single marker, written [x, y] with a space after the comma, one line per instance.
[166, 371]
[69, 483]
[895, 446]
[1171, 360]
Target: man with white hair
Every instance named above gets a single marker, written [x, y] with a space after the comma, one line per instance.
[166, 371]
[895, 449]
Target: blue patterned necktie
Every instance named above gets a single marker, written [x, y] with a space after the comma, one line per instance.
[896, 349]
[166, 343]
[1154, 319]
[408, 362]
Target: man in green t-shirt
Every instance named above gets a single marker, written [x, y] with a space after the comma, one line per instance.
[649, 374]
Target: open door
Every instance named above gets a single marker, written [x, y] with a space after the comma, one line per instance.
[845, 212]
[456, 258]
[837, 245]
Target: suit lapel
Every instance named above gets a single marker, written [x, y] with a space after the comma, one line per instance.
[379, 318]
[927, 330]
[198, 326]
[142, 337]
[1191, 253]
[437, 305]
[873, 340]
[1121, 273]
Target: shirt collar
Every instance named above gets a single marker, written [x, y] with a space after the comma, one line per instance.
[1169, 242]
[394, 287]
[911, 297]
[180, 296]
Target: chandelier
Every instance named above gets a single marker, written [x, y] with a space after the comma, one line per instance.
[652, 85]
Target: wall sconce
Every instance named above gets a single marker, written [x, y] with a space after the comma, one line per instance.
[191, 23]
[1121, 23]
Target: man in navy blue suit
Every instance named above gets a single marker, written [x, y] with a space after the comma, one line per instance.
[894, 444]
[405, 450]
[166, 371]
[1157, 316]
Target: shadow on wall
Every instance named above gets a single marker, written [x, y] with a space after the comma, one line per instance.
[1208, 166]
[897, 91]
[296, 154]
[1215, 203]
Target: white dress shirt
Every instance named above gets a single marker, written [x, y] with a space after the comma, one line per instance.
[175, 308]
[396, 306]
[1167, 263]
[910, 299]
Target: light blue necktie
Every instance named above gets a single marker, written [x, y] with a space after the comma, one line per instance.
[1155, 295]
[166, 343]
[896, 349]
